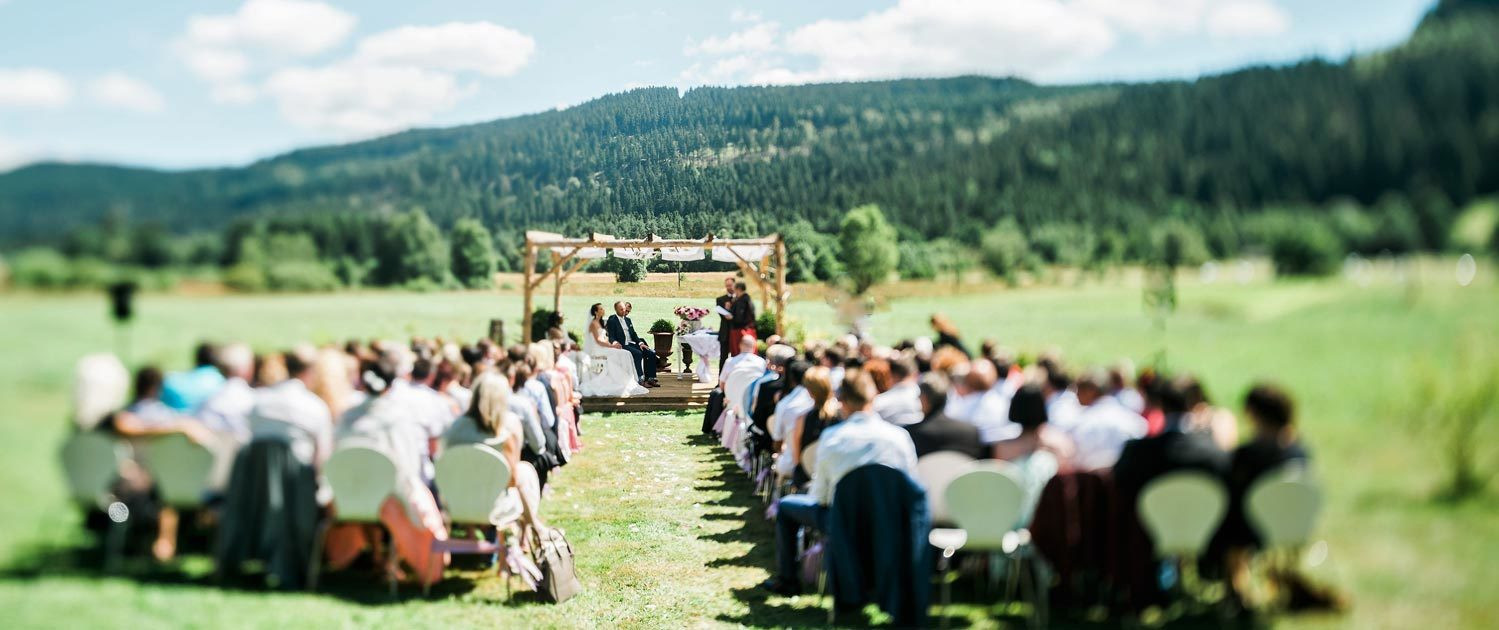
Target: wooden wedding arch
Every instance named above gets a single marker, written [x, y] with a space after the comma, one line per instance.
[761, 260]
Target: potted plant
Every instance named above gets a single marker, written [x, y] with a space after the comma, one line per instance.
[663, 331]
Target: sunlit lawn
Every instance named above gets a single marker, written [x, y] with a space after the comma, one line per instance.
[667, 538]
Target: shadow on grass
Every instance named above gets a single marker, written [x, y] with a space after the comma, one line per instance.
[362, 583]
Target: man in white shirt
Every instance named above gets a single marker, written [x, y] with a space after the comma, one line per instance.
[984, 403]
[901, 404]
[793, 405]
[1062, 406]
[291, 412]
[227, 411]
[1103, 425]
[862, 438]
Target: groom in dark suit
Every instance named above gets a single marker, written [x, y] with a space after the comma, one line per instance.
[622, 331]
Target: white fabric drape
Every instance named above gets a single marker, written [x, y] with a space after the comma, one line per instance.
[683, 254]
[747, 253]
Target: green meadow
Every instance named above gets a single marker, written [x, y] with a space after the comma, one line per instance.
[669, 536]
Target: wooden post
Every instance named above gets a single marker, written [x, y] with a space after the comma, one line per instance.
[525, 318]
[765, 282]
[780, 286]
[557, 287]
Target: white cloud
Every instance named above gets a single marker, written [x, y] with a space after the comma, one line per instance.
[354, 100]
[741, 15]
[13, 154]
[483, 47]
[1031, 38]
[218, 48]
[760, 37]
[1248, 18]
[125, 92]
[293, 27]
[34, 87]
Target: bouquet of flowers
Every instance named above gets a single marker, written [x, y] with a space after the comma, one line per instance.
[691, 313]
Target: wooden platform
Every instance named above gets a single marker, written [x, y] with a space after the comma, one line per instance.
[673, 395]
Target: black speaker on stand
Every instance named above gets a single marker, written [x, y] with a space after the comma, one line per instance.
[122, 311]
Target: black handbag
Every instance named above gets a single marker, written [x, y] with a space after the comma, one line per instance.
[554, 556]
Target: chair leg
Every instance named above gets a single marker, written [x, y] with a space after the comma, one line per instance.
[392, 561]
[315, 562]
[943, 568]
[114, 545]
[1043, 592]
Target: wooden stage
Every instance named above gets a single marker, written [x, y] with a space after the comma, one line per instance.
[673, 395]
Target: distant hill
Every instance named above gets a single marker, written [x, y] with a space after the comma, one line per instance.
[943, 157]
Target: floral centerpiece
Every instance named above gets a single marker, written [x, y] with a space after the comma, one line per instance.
[692, 318]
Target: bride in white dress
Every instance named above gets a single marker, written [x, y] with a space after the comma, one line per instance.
[609, 370]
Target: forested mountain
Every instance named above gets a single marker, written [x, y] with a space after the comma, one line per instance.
[1414, 129]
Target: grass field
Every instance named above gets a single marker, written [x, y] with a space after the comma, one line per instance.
[667, 537]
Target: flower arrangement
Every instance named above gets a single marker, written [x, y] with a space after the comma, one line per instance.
[691, 313]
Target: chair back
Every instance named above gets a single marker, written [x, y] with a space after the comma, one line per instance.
[1181, 510]
[361, 478]
[809, 458]
[180, 467]
[1283, 507]
[91, 462]
[986, 502]
[471, 479]
[935, 471]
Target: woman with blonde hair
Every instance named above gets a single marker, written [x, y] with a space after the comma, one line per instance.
[824, 413]
[490, 422]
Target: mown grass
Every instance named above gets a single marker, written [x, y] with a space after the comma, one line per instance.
[667, 536]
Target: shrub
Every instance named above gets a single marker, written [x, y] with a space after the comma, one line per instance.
[299, 275]
[1066, 244]
[1175, 244]
[916, 261]
[765, 325]
[1304, 247]
[473, 254]
[661, 326]
[628, 270]
[40, 268]
[247, 277]
[542, 320]
[1004, 250]
[1456, 406]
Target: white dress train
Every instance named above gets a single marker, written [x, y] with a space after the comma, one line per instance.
[607, 372]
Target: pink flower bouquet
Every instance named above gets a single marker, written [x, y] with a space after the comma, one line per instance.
[691, 313]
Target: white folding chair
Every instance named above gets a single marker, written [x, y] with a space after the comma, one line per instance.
[361, 478]
[986, 504]
[1283, 507]
[935, 471]
[1181, 511]
[471, 479]
[91, 463]
[809, 459]
[180, 467]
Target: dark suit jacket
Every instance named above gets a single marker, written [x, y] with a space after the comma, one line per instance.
[622, 331]
[727, 302]
[937, 432]
[1147, 458]
[744, 311]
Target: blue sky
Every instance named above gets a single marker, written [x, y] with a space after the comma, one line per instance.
[178, 84]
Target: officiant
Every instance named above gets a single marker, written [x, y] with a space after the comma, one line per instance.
[725, 320]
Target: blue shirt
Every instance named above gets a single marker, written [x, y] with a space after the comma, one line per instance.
[186, 391]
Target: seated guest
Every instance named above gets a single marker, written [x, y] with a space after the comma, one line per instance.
[794, 403]
[1103, 426]
[269, 370]
[936, 432]
[386, 422]
[1273, 445]
[822, 411]
[533, 405]
[290, 411]
[227, 412]
[559, 388]
[489, 421]
[861, 438]
[761, 397]
[186, 391]
[1061, 403]
[1205, 417]
[147, 416]
[1173, 449]
[1038, 452]
[901, 402]
[1122, 389]
[449, 380]
[878, 369]
[744, 355]
[984, 404]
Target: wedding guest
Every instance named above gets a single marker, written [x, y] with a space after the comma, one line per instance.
[227, 411]
[935, 432]
[489, 421]
[1121, 386]
[860, 438]
[290, 411]
[448, 381]
[1273, 445]
[1061, 402]
[901, 402]
[1103, 426]
[1173, 449]
[822, 411]
[1205, 417]
[1027, 410]
[793, 404]
[947, 335]
[186, 391]
[270, 369]
[725, 322]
